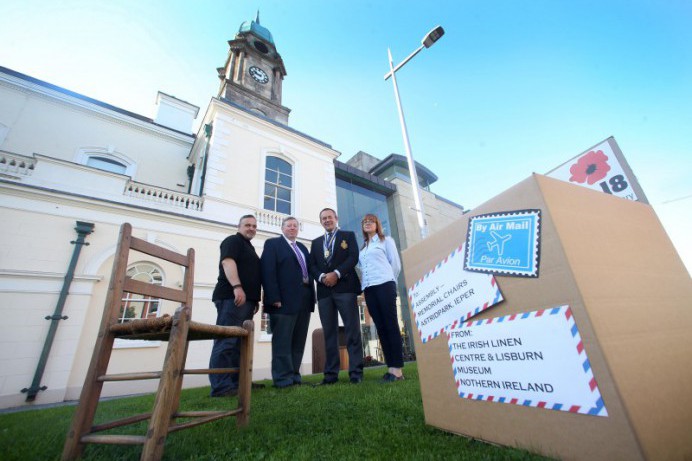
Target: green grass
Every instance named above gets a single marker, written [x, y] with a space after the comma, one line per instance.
[368, 421]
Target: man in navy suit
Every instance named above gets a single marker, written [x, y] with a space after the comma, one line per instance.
[289, 299]
[333, 258]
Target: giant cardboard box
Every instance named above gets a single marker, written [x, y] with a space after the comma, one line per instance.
[611, 261]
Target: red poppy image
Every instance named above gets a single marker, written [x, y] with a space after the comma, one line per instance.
[590, 168]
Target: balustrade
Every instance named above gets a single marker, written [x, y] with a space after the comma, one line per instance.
[165, 196]
[271, 219]
[17, 164]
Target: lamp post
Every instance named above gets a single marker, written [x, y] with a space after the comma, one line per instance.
[429, 39]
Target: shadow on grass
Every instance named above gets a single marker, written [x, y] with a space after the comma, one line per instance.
[340, 422]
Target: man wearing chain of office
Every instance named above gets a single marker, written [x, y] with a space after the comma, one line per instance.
[333, 258]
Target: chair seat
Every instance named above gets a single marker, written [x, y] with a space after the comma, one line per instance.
[159, 329]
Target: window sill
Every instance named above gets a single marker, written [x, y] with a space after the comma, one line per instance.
[134, 344]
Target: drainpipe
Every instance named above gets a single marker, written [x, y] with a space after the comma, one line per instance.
[83, 229]
[190, 177]
[208, 128]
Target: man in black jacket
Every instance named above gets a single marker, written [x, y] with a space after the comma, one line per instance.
[333, 258]
[289, 299]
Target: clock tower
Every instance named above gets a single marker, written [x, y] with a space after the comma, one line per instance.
[254, 72]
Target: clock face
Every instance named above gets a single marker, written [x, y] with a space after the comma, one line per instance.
[258, 74]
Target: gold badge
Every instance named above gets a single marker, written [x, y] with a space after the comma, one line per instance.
[344, 245]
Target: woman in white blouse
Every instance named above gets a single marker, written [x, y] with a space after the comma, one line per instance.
[380, 266]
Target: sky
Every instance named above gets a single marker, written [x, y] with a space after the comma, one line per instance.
[512, 88]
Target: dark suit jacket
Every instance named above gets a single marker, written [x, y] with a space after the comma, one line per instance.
[344, 260]
[282, 278]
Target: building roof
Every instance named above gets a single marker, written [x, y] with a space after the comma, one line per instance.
[81, 97]
[254, 27]
[360, 177]
[355, 170]
[395, 159]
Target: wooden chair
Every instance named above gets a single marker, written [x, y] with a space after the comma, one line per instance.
[177, 330]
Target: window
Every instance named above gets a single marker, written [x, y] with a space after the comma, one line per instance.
[362, 310]
[278, 185]
[265, 327]
[261, 47]
[136, 306]
[106, 159]
[354, 201]
[107, 164]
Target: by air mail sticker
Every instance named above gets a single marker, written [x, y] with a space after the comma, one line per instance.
[506, 243]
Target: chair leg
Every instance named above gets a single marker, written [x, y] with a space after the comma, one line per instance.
[168, 394]
[91, 391]
[245, 371]
[83, 418]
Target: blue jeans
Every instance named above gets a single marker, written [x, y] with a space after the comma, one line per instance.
[226, 351]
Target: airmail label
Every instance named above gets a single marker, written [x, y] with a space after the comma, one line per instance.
[506, 243]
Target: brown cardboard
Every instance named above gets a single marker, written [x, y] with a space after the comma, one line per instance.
[612, 262]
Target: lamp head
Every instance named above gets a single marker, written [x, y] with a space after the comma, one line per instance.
[432, 36]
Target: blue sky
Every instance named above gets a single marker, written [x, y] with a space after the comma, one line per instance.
[512, 88]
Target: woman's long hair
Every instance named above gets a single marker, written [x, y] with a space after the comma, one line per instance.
[378, 228]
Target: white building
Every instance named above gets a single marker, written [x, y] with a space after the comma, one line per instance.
[68, 162]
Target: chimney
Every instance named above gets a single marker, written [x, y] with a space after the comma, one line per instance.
[175, 113]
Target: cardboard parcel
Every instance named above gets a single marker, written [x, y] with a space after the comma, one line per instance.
[587, 357]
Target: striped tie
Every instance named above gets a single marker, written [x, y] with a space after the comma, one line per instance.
[301, 261]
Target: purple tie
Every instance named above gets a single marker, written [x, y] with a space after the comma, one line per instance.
[301, 261]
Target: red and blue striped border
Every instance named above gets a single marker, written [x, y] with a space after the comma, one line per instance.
[497, 298]
[597, 409]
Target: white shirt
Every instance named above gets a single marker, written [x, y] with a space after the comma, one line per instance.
[379, 262]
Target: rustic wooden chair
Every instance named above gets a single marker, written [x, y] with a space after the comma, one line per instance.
[177, 330]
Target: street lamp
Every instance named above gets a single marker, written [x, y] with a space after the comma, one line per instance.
[429, 39]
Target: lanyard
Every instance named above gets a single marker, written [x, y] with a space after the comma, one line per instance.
[328, 244]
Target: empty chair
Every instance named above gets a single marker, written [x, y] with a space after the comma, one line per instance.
[177, 330]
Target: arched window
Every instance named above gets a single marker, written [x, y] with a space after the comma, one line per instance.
[107, 164]
[136, 306]
[278, 185]
[106, 159]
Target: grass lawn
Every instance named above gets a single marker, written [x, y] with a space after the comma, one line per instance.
[368, 421]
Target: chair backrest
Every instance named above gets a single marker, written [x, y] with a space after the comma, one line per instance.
[121, 284]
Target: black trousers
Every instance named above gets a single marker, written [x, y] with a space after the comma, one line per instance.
[289, 333]
[330, 308]
[381, 301]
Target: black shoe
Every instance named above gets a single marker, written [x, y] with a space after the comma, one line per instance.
[390, 378]
[230, 393]
[285, 386]
[328, 382]
[356, 380]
